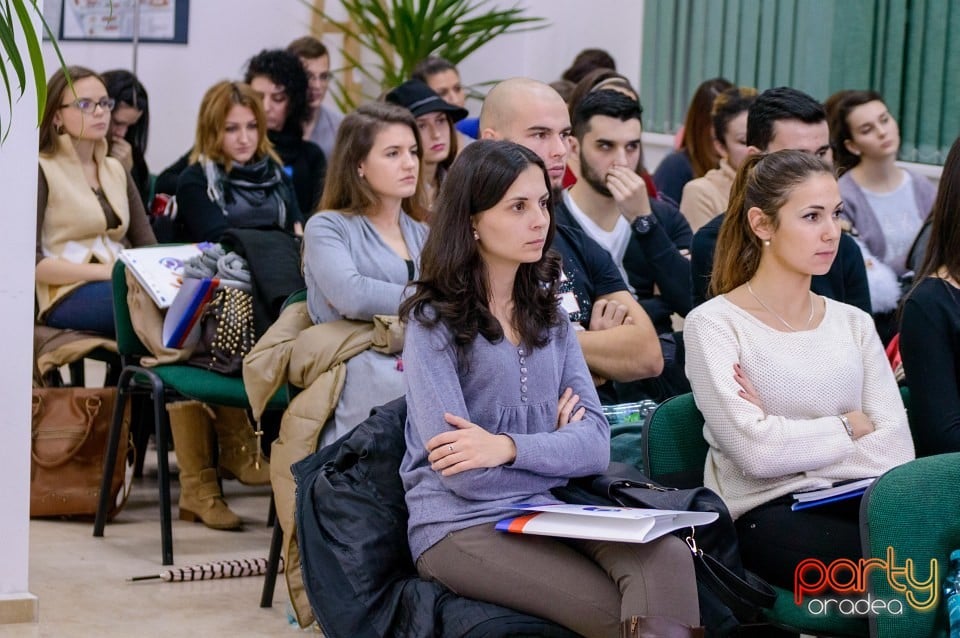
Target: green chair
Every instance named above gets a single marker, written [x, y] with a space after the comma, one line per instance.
[914, 509]
[674, 454]
[163, 383]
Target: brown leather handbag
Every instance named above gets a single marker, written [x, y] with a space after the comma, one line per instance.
[70, 431]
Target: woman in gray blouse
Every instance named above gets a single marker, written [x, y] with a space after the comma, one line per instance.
[501, 408]
[362, 249]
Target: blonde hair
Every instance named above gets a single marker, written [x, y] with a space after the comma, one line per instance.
[211, 123]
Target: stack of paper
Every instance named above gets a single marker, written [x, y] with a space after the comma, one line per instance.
[837, 492]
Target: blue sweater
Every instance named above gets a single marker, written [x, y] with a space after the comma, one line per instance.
[504, 392]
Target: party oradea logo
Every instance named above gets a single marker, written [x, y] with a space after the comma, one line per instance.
[841, 586]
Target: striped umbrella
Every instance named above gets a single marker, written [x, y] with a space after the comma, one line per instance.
[217, 569]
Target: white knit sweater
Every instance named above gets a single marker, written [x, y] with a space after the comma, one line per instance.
[804, 380]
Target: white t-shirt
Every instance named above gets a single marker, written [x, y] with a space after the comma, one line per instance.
[613, 241]
[899, 219]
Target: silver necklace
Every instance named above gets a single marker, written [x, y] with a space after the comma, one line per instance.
[782, 320]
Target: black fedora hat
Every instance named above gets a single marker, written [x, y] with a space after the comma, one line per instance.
[420, 99]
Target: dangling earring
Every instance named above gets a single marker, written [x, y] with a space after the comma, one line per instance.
[476, 235]
[766, 243]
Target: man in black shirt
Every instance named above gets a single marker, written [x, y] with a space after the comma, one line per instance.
[780, 119]
[618, 339]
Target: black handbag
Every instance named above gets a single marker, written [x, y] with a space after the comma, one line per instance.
[715, 549]
[226, 332]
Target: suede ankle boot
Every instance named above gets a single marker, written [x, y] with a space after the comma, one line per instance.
[658, 627]
[240, 456]
[200, 495]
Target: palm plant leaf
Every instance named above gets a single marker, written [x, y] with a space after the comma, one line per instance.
[14, 14]
[400, 33]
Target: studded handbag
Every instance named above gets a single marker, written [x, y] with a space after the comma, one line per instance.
[226, 332]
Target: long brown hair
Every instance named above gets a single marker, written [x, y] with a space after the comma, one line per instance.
[344, 190]
[764, 182]
[56, 87]
[943, 249]
[698, 126]
[211, 123]
[453, 276]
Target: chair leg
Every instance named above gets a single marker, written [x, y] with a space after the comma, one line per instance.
[273, 564]
[163, 470]
[77, 379]
[110, 460]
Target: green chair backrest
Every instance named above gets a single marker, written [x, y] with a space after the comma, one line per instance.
[128, 343]
[915, 509]
[674, 450]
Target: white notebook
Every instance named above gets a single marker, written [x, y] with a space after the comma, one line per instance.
[624, 524]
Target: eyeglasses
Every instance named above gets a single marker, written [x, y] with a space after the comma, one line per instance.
[319, 77]
[88, 106]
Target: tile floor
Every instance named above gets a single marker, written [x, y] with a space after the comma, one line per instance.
[83, 587]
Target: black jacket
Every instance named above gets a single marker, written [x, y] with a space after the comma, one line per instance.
[357, 570]
[846, 280]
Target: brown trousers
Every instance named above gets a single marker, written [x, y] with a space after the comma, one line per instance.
[586, 586]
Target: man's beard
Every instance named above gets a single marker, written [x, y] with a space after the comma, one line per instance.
[591, 177]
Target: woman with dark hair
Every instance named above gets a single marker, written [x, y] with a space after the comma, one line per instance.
[235, 179]
[88, 207]
[435, 120]
[930, 328]
[129, 127]
[795, 388]
[695, 154]
[363, 247]
[502, 408]
[588, 60]
[706, 197]
[885, 203]
[280, 78]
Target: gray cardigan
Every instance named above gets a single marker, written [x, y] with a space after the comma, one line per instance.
[502, 391]
[351, 273]
[864, 219]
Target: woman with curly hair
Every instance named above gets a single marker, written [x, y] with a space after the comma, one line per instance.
[279, 77]
[502, 408]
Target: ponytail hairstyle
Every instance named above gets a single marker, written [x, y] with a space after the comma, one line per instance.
[764, 182]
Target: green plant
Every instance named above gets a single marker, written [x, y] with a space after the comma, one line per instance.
[14, 17]
[400, 33]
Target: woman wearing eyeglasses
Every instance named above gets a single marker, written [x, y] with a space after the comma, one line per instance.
[88, 208]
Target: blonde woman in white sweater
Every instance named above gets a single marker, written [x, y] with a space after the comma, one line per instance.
[795, 388]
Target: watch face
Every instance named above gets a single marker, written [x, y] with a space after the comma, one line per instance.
[643, 224]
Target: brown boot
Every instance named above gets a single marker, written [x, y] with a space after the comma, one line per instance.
[200, 495]
[240, 456]
[658, 627]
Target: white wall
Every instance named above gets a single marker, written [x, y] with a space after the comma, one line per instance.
[223, 34]
[18, 165]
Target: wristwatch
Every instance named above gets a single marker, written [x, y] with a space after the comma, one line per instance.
[643, 224]
[846, 424]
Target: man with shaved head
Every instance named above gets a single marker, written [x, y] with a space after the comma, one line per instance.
[617, 337]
